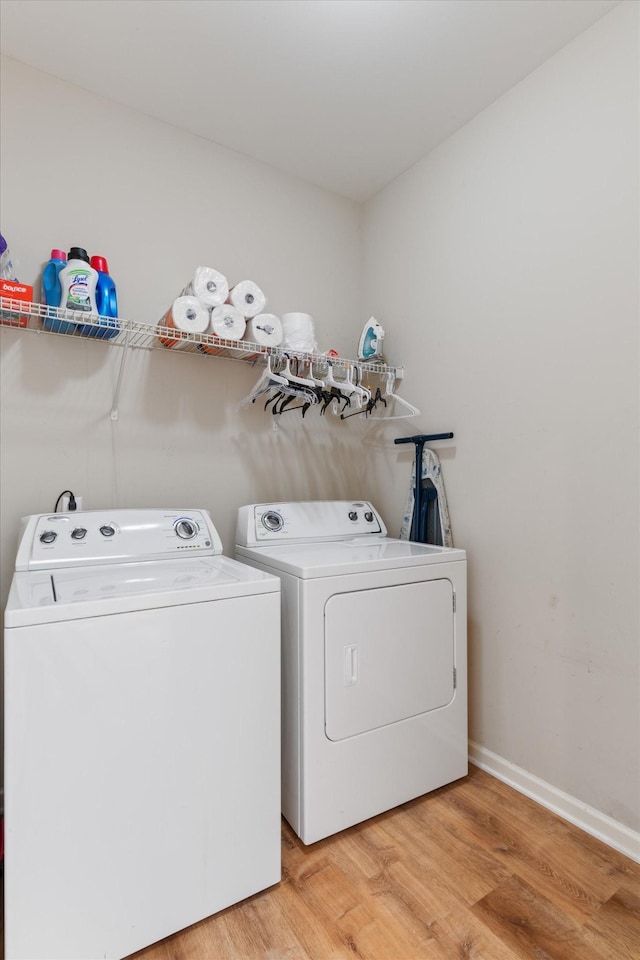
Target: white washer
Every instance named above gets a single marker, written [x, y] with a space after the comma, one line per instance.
[142, 732]
[374, 666]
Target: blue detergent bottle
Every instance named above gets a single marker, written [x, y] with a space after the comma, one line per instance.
[106, 300]
[52, 293]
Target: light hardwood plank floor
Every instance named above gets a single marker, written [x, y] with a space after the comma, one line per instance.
[473, 871]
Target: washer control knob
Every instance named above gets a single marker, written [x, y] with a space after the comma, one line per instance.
[79, 533]
[353, 515]
[368, 516]
[48, 536]
[107, 530]
[272, 521]
[185, 528]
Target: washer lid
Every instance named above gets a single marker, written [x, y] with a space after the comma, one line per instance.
[358, 555]
[46, 596]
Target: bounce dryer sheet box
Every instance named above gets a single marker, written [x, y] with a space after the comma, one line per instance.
[10, 312]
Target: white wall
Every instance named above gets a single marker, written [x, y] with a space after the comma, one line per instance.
[506, 266]
[80, 170]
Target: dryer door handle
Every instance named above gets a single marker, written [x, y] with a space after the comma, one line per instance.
[351, 665]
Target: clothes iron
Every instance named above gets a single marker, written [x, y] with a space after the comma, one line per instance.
[371, 338]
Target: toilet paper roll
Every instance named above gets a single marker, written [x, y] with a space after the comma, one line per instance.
[186, 314]
[226, 323]
[298, 332]
[209, 286]
[248, 298]
[265, 329]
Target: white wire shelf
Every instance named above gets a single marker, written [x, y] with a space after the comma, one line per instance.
[39, 318]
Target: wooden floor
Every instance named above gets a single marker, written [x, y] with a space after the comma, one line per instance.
[474, 871]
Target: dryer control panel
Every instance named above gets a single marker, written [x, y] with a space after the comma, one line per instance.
[53, 540]
[315, 520]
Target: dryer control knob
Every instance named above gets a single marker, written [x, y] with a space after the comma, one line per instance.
[79, 533]
[353, 515]
[368, 516]
[186, 529]
[48, 536]
[107, 530]
[272, 521]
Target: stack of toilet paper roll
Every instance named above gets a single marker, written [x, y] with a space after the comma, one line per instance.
[190, 312]
[208, 306]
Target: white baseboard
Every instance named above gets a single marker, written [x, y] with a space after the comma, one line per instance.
[589, 819]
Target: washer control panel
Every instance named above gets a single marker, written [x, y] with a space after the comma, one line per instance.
[307, 520]
[114, 536]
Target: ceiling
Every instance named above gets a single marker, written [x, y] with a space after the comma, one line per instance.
[346, 94]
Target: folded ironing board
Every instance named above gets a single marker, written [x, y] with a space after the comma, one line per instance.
[426, 513]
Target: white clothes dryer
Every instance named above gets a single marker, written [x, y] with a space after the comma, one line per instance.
[142, 732]
[374, 660]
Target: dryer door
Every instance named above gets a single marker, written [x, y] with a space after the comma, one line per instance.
[389, 655]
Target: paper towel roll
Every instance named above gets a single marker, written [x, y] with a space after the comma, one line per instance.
[298, 332]
[265, 329]
[186, 314]
[209, 286]
[248, 298]
[227, 323]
